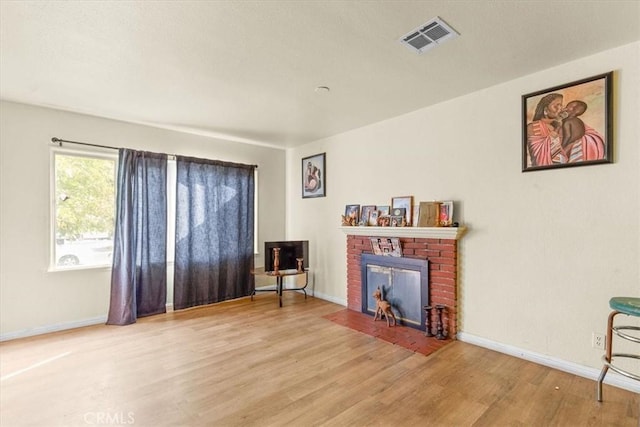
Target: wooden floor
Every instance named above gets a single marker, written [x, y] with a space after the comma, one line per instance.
[245, 363]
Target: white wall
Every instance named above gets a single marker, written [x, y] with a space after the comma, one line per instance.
[34, 300]
[545, 250]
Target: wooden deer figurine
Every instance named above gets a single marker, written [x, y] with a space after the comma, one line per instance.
[383, 308]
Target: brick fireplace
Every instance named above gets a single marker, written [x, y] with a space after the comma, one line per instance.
[438, 245]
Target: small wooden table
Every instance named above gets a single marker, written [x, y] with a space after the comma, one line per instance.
[280, 275]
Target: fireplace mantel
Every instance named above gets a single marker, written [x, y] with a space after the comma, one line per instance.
[453, 233]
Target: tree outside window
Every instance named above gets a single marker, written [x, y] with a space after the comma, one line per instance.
[84, 210]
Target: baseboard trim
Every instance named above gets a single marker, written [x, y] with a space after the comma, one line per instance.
[339, 301]
[53, 328]
[612, 378]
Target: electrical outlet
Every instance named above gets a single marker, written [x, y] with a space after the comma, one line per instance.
[598, 341]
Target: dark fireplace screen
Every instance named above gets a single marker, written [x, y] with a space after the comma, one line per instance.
[404, 282]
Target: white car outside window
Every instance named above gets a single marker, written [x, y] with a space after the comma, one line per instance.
[84, 253]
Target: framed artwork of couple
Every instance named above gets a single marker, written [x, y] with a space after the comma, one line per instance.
[568, 125]
[314, 178]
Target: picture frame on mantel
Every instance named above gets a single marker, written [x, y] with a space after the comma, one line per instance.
[365, 214]
[429, 214]
[568, 125]
[446, 213]
[352, 213]
[406, 203]
[314, 177]
[384, 210]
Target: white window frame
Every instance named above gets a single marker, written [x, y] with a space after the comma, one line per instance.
[79, 152]
[256, 249]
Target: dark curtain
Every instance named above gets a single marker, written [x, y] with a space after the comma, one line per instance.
[139, 274]
[214, 232]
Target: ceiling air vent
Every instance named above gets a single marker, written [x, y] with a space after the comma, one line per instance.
[428, 35]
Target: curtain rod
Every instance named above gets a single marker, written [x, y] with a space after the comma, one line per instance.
[59, 141]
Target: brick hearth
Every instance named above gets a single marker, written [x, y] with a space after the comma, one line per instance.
[443, 268]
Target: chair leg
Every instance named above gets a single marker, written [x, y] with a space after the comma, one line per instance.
[607, 357]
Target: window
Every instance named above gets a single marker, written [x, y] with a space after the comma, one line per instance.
[83, 209]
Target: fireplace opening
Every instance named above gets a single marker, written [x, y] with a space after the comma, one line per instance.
[404, 283]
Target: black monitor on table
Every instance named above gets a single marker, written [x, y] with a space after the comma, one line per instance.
[290, 250]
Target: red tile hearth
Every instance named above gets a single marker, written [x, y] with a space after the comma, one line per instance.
[409, 338]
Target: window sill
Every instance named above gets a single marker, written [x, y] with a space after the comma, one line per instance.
[78, 268]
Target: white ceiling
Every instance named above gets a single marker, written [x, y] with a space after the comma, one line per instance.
[247, 70]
